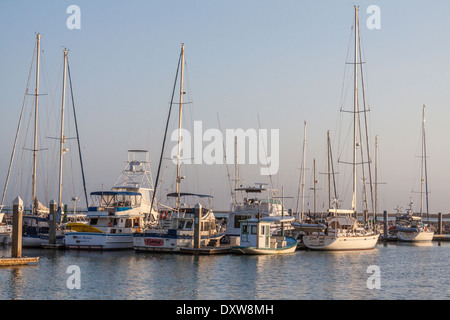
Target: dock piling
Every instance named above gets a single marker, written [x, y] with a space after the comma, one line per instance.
[52, 229]
[197, 225]
[16, 250]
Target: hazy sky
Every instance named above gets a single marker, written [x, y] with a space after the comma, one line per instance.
[282, 61]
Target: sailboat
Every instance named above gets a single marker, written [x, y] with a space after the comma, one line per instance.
[115, 215]
[341, 230]
[175, 229]
[409, 226]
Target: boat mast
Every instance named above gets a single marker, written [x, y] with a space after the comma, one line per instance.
[301, 186]
[376, 178]
[355, 107]
[179, 127]
[36, 103]
[424, 168]
[62, 137]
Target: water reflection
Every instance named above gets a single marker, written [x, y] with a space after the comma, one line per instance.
[406, 271]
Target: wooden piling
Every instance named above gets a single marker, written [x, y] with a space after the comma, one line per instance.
[197, 225]
[16, 250]
[440, 223]
[52, 229]
[385, 224]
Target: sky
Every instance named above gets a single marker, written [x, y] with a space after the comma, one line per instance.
[253, 64]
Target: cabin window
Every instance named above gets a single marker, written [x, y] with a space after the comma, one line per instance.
[188, 224]
[262, 230]
[238, 218]
[93, 221]
[245, 229]
[128, 223]
[253, 229]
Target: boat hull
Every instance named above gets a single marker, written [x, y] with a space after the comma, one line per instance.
[341, 243]
[289, 248]
[415, 236]
[98, 241]
[163, 242]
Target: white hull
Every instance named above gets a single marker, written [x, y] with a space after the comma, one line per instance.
[416, 236]
[332, 243]
[163, 243]
[98, 241]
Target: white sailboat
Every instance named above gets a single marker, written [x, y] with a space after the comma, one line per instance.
[176, 226]
[409, 227]
[342, 230]
[115, 215]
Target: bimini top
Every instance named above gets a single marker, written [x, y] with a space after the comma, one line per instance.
[174, 194]
[115, 193]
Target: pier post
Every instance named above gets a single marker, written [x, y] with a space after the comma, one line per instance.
[385, 224]
[16, 250]
[440, 223]
[52, 229]
[197, 225]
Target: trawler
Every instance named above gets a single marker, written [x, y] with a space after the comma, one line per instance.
[115, 215]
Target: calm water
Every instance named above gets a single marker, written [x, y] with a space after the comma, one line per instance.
[406, 272]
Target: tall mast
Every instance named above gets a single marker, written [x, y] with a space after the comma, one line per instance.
[62, 137]
[179, 127]
[236, 172]
[355, 106]
[301, 185]
[424, 169]
[376, 177]
[36, 103]
[329, 168]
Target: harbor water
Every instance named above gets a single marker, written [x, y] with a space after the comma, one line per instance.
[392, 271]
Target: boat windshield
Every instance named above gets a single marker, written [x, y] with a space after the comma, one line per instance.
[115, 199]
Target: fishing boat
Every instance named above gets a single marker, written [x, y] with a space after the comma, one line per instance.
[253, 205]
[175, 229]
[342, 229]
[256, 237]
[115, 215]
[411, 227]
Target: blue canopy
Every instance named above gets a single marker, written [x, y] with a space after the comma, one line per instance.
[115, 193]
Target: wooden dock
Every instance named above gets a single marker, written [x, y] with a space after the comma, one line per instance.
[19, 261]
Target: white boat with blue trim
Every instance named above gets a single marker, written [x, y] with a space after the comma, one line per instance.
[256, 237]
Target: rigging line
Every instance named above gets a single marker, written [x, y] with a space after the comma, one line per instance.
[165, 132]
[17, 131]
[425, 164]
[78, 136]
[366, 129]
[265, 152]
[225, 158]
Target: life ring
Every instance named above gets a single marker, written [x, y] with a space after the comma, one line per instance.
[164, 215]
